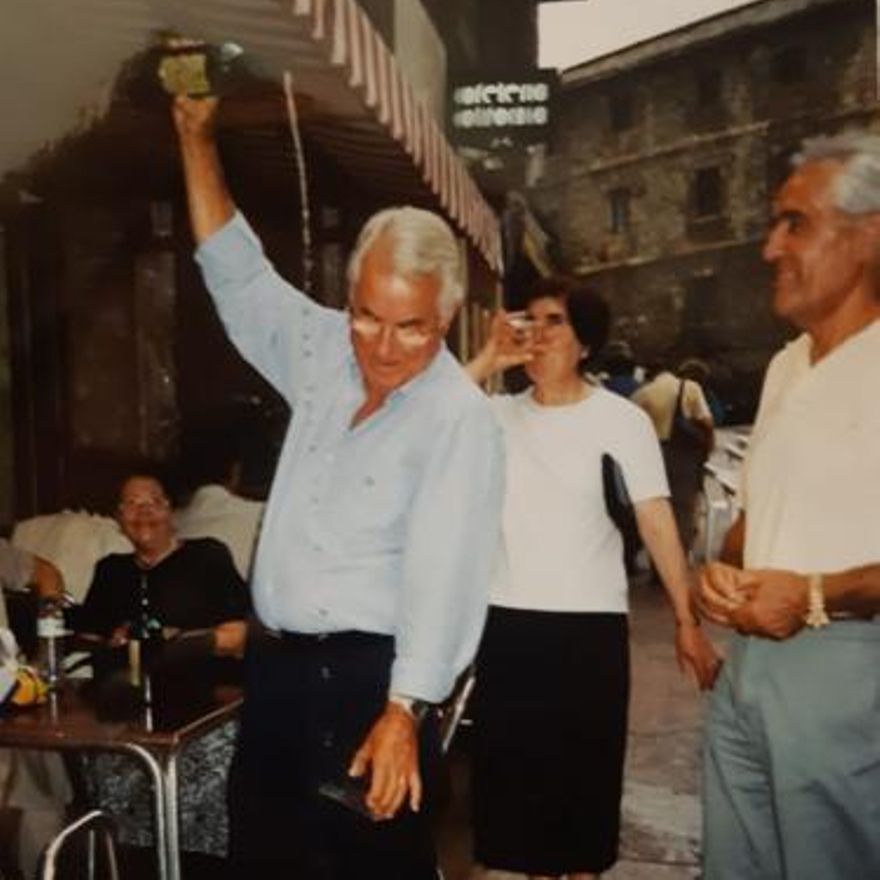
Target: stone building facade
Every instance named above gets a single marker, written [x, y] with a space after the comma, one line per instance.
[665, 158]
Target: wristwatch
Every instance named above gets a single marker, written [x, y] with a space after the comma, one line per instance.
[414, 707]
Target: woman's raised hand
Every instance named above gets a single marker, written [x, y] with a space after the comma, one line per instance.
[511, 342]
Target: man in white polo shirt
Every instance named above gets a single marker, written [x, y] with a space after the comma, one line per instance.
[792, 766]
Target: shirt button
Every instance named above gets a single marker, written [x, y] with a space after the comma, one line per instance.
[328, 740]
[313, 447]
[307, 353]
[325, 673]
[322, 612]
[313, 500]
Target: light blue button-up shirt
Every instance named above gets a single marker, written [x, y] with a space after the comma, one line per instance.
[389, 527]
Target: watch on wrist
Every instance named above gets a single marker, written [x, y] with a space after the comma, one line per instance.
[816, 615]
[413, 706]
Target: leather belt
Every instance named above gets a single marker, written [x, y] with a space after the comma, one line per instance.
[337, 637]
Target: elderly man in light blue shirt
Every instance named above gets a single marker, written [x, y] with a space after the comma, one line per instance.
[372, 569]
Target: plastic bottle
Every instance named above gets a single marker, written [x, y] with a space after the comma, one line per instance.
[50, 642]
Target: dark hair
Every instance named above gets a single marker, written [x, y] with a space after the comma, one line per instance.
[588, 313]
[148, 469]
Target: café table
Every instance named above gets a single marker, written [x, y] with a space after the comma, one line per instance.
[154, 729]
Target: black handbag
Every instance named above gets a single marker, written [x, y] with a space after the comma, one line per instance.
[687, 435]
[618, 504]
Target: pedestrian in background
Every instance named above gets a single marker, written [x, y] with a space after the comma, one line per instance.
[684, 425]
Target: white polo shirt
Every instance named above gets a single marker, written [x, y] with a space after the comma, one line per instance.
[811, 481]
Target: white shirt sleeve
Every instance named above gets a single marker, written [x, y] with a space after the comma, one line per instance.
[637, 450]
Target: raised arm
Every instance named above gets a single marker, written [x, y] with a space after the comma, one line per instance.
[280, 330]
[506, 347]
[210, 203]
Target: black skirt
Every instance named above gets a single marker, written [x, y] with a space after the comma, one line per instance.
[550, 716]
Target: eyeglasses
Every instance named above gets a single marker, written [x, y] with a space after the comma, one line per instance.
[371, 329]
[132, 505]
[523, 321]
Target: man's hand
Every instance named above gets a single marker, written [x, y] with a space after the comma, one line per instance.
[195, 118]
[390, 752]
[694, 650]
[777, 607]
[721, 590]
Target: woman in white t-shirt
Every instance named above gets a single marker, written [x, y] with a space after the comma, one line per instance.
[553, 668]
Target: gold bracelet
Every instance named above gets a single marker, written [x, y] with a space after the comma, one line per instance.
[816, 616]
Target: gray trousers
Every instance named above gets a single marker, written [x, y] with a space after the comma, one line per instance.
[791, 786]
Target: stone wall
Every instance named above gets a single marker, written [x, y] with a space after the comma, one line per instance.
[684, 280]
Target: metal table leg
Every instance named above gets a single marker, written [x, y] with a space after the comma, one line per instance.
[168, 859]
[172, 820]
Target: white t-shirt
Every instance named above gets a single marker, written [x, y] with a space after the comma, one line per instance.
[559, 549]
[811, 480]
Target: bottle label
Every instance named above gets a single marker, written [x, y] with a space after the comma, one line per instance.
[50, 626]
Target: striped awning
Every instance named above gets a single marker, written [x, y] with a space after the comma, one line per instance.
[360, 108]
[357, 50]
[356, 103]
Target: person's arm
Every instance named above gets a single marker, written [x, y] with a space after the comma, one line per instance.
[277, 328]
[46, 581]
[229, 593]
[452, 538]
[208, 197]
[856, 590]
[505, 347]
[776, 602]
[100, 617]
[659, 533]
[698, 411]
[734, 542]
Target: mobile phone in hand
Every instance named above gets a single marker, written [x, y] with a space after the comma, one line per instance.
[350, 792]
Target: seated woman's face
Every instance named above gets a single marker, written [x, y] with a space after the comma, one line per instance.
[557, 350]
[144, 514]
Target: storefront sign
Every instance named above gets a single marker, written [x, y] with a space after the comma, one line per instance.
[516, 109]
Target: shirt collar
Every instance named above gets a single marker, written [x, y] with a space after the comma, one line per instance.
[425, 377]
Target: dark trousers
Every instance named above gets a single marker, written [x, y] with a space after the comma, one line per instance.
[309, 703]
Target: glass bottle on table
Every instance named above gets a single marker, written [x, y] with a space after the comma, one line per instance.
[145, 633]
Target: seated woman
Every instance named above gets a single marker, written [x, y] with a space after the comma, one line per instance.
[191, 591]
[552, 692]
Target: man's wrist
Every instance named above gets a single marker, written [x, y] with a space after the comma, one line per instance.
[416, 709]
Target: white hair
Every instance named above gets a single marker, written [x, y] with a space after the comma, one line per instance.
[421, 244]
[856, 189]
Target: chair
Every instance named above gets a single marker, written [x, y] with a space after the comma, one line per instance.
[93, 824]
[452, 711]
